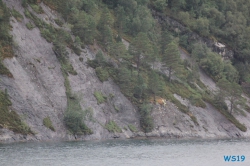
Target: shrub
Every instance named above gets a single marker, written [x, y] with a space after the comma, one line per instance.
[59, 22]
[10, 119]
[17, 15]
[233, 120]
[116, 108]
[30, 26]
[4, 70]
[27, 14]
[111, 126]
[132, 128]
[197, 101]
[74, 122]
[74, 115]
[47, 35]
[81, 59]
[146, 120]
[37, 9]
[102, 74]
[100, 97]
[100, 58]
[194, 119]
[24, 3]
[76, 50]
[47, 122]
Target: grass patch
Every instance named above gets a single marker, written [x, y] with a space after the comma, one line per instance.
[38, 9]
[68, 68]
[111, 126]
[232, 119]
[10, 119]
[17, 15]
[116, 108]
[5, 71]
[197, 101]
[100, 97]
[183, 108]
[194, 119]
[222, 108]
[132, 128]
[30, 26]
[6, 41]
[200, 84]
[74, 116]
[247, 108]
[47, 122]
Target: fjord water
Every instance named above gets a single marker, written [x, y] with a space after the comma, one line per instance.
[126, 153]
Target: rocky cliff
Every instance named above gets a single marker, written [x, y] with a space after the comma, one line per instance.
[37, 91]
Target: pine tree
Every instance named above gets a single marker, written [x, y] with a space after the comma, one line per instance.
[166, 38]
[231, 92]
[140, 48]
[171, 58]
[155, 84]
[105, 20]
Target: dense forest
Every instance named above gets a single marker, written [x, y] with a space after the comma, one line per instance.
[109, 22]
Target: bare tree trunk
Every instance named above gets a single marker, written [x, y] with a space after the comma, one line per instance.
[231, 109]
[138, 66]
[170, 73]
[231, 104]
[154, 99]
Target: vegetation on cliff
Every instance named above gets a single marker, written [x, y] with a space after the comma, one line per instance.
[107, 22]
[134, 69]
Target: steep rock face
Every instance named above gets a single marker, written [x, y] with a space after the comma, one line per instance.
[37, 89]
[169, 122]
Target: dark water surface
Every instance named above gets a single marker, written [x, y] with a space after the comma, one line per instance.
[126, 153]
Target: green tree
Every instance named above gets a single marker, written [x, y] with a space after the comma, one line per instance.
[232, 75]
[129, 5]
[107, 37]
[124, 81]
[121, 19]
[202, 26]
[140, 88]
[146, 120]
[176, 4]
[166, 38]
[155, 85]
[213, 65]
[142, 21]
[140, 48]
[232, 92]
[118, 50]
[142, 2]
[90, 7]
[85, 28]
[100, 58]
[171, 58]
[159, 5]
[199, 51]
[105, 20]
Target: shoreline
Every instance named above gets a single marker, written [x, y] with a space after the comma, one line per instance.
[34, 140]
